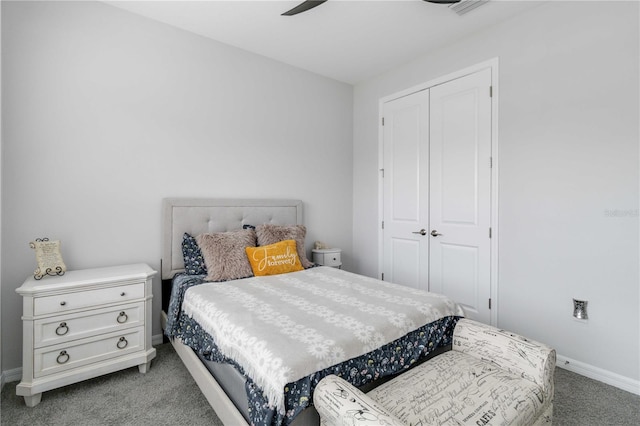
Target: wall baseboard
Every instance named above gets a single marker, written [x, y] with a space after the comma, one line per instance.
[12, 375]
[157, 339]
[595, 373]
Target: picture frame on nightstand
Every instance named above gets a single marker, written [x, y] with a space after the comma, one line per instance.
[48, 257]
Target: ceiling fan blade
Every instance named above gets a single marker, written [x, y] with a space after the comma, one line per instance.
[304, 6]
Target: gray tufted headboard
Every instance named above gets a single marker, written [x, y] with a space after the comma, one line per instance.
[201, 215]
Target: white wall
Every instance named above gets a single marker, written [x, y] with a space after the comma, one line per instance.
[568, 174]
[105, 113]
[1, 370]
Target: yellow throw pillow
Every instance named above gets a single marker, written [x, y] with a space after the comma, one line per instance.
[273, 259]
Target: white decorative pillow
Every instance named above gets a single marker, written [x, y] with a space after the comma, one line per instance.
[224, 254]
[270, 234]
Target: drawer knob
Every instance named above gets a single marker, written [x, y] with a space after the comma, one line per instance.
[63, 303]
[122, 343]
[122, 294]
[63, 357]
[122, 318]
[62, 329]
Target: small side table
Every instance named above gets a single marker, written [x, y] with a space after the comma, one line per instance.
[328, 257]
[84, 324]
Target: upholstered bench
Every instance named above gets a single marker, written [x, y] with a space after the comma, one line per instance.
[490, 377]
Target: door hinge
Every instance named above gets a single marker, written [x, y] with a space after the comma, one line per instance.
[489, 303]
[491, 91]
[491, 162]
[383, 224]
[383, 121]
[382, 277]
[489, 232]
[382, 171]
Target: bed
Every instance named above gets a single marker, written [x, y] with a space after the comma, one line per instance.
[257, 346]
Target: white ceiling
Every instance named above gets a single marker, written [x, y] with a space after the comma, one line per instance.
[347, 40]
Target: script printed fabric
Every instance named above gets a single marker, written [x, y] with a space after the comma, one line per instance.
[281, 328]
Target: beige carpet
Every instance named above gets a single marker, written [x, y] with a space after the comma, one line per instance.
[167, 395]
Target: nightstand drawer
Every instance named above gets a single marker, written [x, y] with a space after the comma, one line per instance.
[332, 259]
[54, 330]
[327, 257]
[83, 299]
[54, 359]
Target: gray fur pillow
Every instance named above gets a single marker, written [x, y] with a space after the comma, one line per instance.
[271, 234]
[224, 254]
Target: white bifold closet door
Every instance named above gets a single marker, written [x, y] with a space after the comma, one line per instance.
[437, 191]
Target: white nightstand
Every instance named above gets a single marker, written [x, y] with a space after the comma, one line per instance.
[84, 324]
[328, 257]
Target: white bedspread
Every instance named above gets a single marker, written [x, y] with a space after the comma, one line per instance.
[282, 328]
